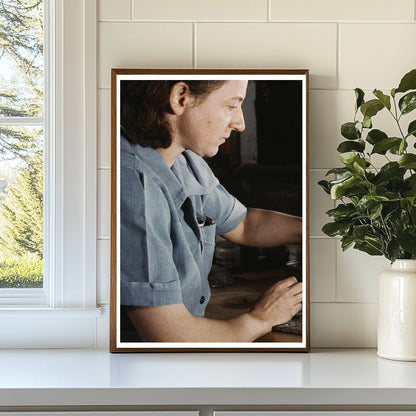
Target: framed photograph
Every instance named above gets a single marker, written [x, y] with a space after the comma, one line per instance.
[209, 211]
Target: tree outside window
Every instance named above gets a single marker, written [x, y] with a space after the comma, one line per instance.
[21, 143]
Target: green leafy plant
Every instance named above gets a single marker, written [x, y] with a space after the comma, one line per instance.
[376, 206]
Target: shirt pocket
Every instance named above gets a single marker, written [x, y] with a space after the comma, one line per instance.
[208, 245]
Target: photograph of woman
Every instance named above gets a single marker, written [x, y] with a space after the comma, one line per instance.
[172, 207]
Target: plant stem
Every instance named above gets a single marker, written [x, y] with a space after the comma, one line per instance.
[397, 118]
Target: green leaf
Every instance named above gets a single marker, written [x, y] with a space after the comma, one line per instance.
[411, 204]
[338, 189]
[346, 242]
[375, 211]
[393, 196]
[385, 99]
[402, 147]
[375, 136]
[394, 250]
[369, 247]
[359, 166]
[411, 130]
[408, 82]
[367, 122]
[408, 161]
[325, 185]
[371, 108]
[408, 240]
[360, 232]
[342, 179]
[359, 95]
[349, 131]
[371, 207]
[413, 211]
[337, 171]
[390, 170]
[408, 102]
[342, 211]
[348, 158]
[354, 161]
[369, 202]
[411, 190]
[333, 229]
[349, 146]
[382, 146]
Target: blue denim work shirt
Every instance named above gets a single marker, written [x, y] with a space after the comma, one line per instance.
[166, 253]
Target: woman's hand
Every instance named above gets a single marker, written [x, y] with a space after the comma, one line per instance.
[279, 303]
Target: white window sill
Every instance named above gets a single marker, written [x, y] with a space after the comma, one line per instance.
[95, 378]
[43, 311]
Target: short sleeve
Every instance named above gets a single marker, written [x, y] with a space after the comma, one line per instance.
[148, 275]
[227, 210]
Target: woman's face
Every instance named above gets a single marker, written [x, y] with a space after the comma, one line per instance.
[207, 123]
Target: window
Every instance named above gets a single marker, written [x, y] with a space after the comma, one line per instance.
[63, 313]
[21, 143]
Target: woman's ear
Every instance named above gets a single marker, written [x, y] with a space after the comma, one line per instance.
[179, 97]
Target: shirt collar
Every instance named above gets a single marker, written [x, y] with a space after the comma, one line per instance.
[181, 180]
[186, 171]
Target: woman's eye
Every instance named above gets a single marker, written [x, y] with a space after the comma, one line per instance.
[232, 107]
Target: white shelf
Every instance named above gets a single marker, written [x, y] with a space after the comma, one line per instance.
[84, 378]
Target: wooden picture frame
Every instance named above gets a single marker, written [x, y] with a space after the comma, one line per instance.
[265, 165]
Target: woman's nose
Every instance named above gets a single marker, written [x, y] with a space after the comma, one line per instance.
[237, 122]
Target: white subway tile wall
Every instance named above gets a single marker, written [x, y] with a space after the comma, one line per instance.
[114, 10]
[357, 276]
[270, 45]
[328, 109]
[323, 269]
[142, 45]
[344, 45]
[201, 10]
[339, 11]
[343, 325]
[375, 55]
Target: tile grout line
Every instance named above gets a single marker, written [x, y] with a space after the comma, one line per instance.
[269, 11]
[336, 297]
[255, 21]
[338, 63]
[194, 61]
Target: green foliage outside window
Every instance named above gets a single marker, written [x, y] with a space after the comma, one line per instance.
[21, 146]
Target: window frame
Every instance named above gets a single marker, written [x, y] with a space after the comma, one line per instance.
[64, 313]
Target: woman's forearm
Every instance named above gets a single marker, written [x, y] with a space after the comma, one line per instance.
[265, 228]
[173, 323]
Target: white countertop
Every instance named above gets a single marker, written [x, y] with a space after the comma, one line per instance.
[91, 377]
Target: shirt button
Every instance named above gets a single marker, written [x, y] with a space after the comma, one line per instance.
[202, 300]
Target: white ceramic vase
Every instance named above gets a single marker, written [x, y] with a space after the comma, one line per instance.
[397, 312]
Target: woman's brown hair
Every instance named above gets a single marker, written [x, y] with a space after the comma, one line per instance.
[144, 105]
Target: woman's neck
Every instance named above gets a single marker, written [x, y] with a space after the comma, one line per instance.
[170, 154]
